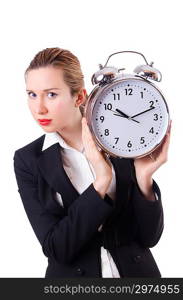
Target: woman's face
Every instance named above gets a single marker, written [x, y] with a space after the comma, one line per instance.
[49, 98]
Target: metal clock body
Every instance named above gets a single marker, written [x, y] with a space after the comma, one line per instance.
[127, 114]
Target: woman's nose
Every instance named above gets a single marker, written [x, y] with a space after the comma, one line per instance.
[41, 108]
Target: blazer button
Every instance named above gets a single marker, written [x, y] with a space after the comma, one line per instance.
[137, 258]
[80, 271]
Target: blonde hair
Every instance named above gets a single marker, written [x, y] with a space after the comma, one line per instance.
[67, 61]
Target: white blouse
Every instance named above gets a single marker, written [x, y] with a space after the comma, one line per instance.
[81, 174]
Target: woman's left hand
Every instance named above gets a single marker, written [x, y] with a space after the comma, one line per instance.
[147, 165]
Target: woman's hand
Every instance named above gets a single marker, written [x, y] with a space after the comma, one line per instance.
[101, 167]
[147, 165]
[93, 154]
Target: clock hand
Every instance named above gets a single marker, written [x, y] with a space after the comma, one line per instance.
[142, 112]
[114, 112]
[119, 115]
[126, 118]
[122, 114]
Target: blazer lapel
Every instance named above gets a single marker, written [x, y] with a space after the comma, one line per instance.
[51, 168]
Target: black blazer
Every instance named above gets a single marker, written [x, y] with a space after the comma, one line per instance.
[69, 235]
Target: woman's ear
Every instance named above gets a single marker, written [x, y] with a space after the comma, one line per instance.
[81, 97]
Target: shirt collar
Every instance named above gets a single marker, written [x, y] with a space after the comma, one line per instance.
[52, 138]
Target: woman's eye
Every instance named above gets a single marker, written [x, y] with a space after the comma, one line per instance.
[31, 94]
[52, 95]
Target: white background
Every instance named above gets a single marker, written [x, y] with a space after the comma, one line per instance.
[92, 31]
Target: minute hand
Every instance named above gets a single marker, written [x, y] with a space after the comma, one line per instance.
[142, 112]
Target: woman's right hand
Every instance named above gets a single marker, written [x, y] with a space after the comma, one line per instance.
[102, 168]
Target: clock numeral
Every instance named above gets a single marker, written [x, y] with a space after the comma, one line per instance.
[142, 141]
[156, 117]
[106, 132]
[117, 139]
[151, 130]
[116, 96]
[108, 106]
[129, 144]
[142, 94]
[128, 92]
[102, 118]
[151, 102]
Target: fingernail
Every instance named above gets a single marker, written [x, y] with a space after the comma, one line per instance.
[85, 121]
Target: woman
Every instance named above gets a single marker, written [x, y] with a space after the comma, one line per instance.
[94, 217]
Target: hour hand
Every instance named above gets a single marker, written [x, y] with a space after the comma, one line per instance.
[122, 113]
[125, 115]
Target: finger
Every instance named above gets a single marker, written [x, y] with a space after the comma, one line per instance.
[86, 135]
[161, 152]
[169, 127]
[83, 120]
[86, 131]
[166, 143]
[163, 156]
[166, 139]
[85, 126]
[92, 151]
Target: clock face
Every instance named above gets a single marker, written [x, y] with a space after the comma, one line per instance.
[129, 118]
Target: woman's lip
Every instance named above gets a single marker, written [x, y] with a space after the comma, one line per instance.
[44, 121]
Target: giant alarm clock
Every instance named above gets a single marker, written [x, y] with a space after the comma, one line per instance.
[127, 113]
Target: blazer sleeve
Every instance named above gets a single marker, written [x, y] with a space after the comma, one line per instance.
[148, 214]
[63, 236]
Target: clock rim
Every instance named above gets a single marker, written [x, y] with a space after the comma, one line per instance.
[98, 90]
